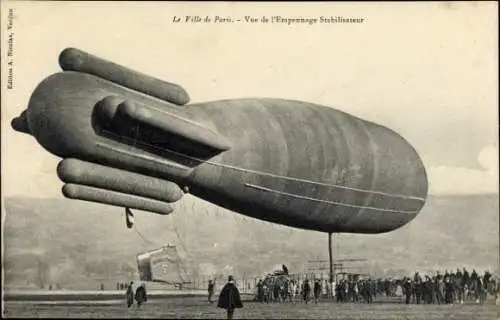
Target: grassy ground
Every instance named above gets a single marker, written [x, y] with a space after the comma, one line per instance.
[196, 307]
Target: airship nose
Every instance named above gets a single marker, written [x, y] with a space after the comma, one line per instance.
[21, 123]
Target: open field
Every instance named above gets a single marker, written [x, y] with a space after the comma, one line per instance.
[73, 296]
[81, 245]
[197, 307]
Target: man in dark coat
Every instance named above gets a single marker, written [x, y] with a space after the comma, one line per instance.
[260, 291]
[317, 290]
[407, 285]
[465, 276]
[417, 287]
[276, 290]
[140, 295]
[306, 291]
[229, 298]
[448, 290]
[486, 279]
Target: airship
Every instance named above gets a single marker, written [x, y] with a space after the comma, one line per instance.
[130, 140]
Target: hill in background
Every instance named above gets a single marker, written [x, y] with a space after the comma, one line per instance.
[80, 245]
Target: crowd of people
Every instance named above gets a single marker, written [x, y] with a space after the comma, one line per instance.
[281, 287]
[438, 288]
[449, 288]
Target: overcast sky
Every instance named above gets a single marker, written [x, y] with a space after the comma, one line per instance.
[427, 70]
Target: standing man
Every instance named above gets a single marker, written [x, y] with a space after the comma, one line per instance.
[333, 290]
[440, 290]
[140, 295]
[306, 291]
[317, 290]
[448, 290]
[408, 290]
[229, 298]
[260, 291]
[130, 295]
[417, 287]
[267, 292]
[211, 286]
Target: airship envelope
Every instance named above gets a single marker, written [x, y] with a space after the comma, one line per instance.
[127, 139]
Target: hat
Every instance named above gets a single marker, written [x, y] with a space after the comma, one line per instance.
[230, 278]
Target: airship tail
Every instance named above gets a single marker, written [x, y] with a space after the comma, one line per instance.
[72, 59]
[159, 128]
[112, 179]
[86, 193]
[96, 183]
